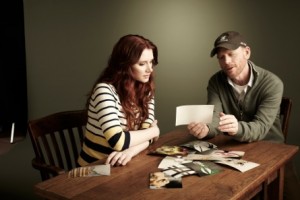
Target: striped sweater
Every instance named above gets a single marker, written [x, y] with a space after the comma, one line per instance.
[106, 129]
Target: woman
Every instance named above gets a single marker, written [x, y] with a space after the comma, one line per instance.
[121, 120]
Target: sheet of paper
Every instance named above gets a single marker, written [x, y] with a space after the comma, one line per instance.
[194, 113]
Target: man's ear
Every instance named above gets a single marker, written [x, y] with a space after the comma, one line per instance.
[247, 52]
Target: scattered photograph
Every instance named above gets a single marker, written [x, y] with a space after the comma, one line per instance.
[241, 165]
[204, 168]
[178, 172]
[170, 161]
[160, 180]
[170, 150]
[215, 154]
[199, 146]
[94, 170]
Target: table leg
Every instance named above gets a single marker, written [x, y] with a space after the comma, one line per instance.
[275, 188]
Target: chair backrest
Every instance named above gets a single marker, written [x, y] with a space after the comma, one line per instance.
[285, 112]
[57, 140]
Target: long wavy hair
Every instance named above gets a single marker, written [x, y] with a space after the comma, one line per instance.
[134, 95]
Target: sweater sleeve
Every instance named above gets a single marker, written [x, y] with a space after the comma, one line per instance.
[261, 120]
[147, 123]
[214, 98]
[105, 108]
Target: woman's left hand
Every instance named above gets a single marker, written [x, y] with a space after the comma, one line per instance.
[119, 158]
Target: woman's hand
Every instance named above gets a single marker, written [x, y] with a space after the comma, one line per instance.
[119, 158]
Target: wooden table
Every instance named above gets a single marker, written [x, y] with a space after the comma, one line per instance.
[132, 181]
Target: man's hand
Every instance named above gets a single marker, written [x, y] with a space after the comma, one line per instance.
[199, 130]
[228, 123]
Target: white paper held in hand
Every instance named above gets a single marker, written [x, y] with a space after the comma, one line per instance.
[194, 113]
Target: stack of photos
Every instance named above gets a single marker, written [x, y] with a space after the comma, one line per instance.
[205, 151]
[194, 158]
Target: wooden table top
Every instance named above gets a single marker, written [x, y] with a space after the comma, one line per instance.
[132, 181]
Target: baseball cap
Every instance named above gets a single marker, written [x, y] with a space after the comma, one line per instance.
[228, 40]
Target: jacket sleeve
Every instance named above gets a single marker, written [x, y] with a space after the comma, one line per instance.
[263, 120]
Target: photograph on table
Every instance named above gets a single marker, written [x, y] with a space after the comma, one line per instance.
[170, 161]
[93, 170]
[179, 171]
[215, 154]
[204, 168]
[199, 146]
[160, 180]
[170, 151]
[239, 164]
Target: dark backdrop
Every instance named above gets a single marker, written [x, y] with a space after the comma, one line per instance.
[13, 91]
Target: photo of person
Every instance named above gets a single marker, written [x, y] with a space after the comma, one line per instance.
[160, 180]
[215, 154]
[225, 153]
[170, 150]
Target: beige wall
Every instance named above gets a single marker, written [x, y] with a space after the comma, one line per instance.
[68, 43]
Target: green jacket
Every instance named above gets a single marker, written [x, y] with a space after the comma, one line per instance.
[258, 116]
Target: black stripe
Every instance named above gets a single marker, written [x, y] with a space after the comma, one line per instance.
[101, 93]
[96, 134]
[97, 147]
[113, 140]
[105, 100]
[151, 114]
[107, 114]
[111, 120]
[127, 140]
[87, 158]
[109, 128]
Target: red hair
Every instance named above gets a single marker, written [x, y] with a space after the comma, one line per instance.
[134, 95]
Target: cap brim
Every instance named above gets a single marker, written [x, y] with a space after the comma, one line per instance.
[223, 45]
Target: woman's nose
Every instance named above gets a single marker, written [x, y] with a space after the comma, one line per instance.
[149, 67]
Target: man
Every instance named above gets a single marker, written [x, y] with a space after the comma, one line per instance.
[247, 101]
[246, 97]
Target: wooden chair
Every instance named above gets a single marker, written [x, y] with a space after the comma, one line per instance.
[285, 112]
[57, 140]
